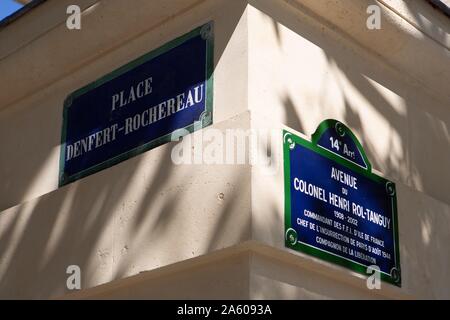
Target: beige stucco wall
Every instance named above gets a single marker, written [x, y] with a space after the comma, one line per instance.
[404, 128]
[232, 273]
[277, 63]
[56, 65]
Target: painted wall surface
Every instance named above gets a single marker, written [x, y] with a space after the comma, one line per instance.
[148, 222]
[320, 75]
[56, 65]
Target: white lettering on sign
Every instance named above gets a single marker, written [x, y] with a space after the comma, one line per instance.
[344, 178]
[91, 142]
[309, 189]
[138, 121]
[128, 96]
[340, 202]
[336, 144]
[164, 109]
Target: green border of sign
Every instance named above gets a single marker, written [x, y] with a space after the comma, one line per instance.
[289, 142]
[206, 118]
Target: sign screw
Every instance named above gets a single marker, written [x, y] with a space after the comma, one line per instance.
[291, 143]
[395, 274]
[206, 31]
[340, 129]
[291, 236]
[390, 188]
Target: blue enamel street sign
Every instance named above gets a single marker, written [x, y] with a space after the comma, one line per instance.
[335, 207]
[138, 106]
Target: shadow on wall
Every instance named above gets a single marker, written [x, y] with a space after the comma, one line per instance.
[67, 229]
[416, 118]
[421, 123]
[40, 239]
[443, 6]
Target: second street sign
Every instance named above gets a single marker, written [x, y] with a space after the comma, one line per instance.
[335, 207]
